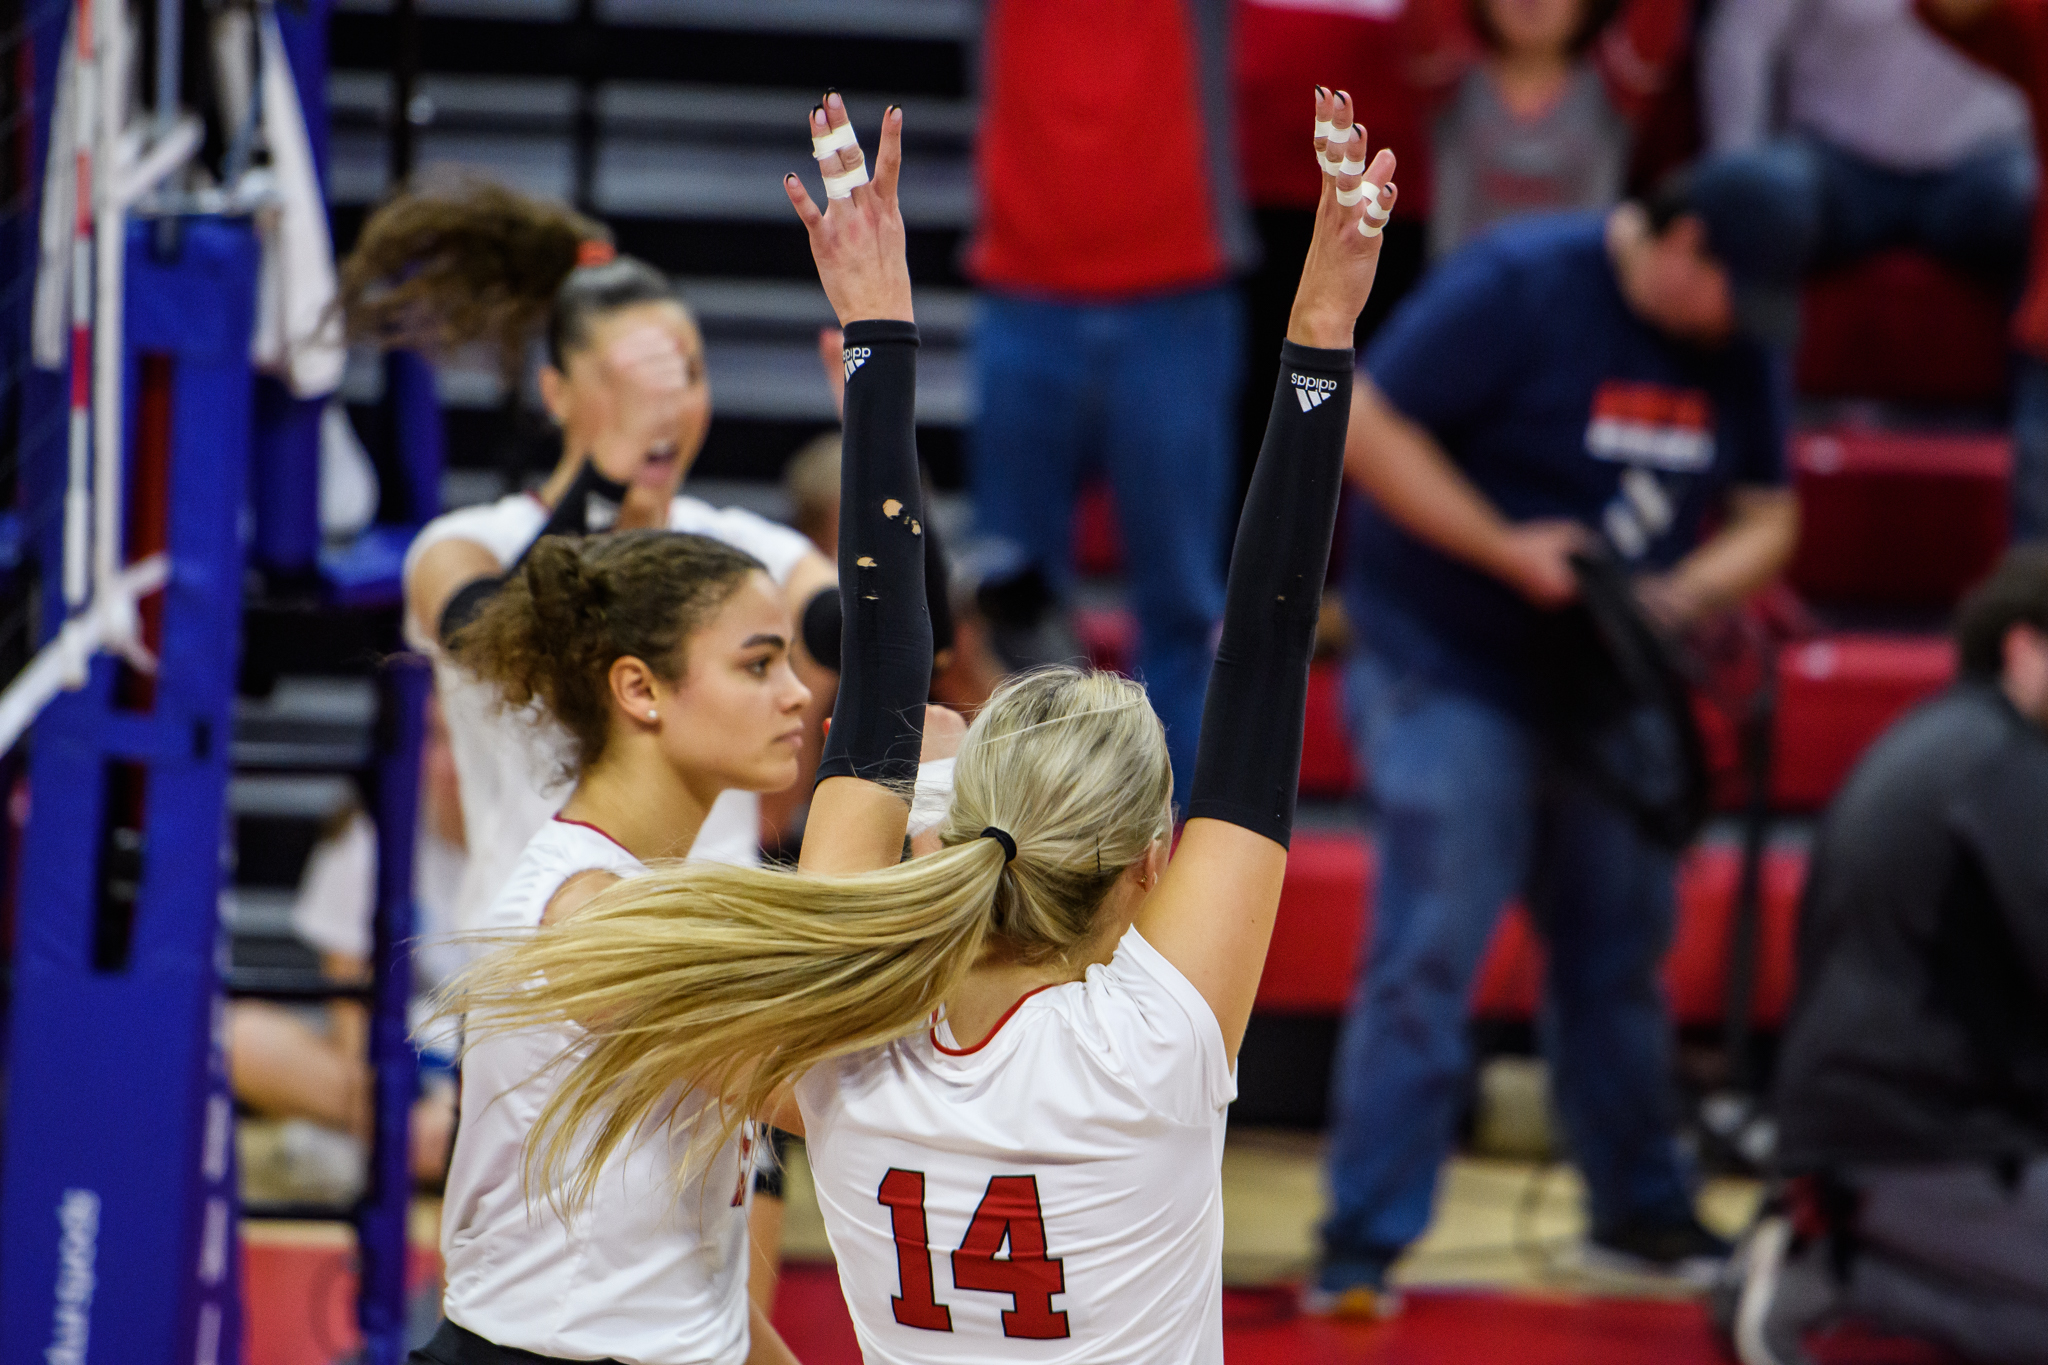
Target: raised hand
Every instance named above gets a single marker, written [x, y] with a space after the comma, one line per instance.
[639, 407]
[1344, 253]
[857, 239]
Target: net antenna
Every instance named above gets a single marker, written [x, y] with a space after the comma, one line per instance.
[100, 592]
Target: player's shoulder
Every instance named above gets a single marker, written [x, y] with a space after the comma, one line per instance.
[559, 850]
[775, 545]
[504, 527]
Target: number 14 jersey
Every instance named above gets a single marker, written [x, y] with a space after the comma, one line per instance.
[1050, 1194]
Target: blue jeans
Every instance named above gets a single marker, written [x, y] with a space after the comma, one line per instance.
[2030, 449]
[1797, 204]
[1146, 392]
[1470, 813]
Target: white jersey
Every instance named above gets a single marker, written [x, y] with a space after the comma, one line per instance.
[512, 765]
[644, 1273]
[1052, 1194]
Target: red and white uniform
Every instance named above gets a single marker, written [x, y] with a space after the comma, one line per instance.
[1051, 1194]
[644, 1273]
[509, 764]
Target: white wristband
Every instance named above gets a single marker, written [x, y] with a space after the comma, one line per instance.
[842, 136]
[842, 186]
[933, 797]
[1349, 197]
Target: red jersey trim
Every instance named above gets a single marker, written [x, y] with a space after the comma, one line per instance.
[970, 1051]
[565, 820]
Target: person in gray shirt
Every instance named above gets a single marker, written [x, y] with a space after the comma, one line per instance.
[1529, 129]
[1843, 127]
[1544, 121]
[1912, 1088]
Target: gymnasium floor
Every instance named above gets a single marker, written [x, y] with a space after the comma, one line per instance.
[1496, 1279]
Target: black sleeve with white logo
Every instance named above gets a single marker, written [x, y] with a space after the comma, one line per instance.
[885, 626]
[1248, 763]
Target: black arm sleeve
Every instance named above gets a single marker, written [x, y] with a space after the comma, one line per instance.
[591, 504]
[885, 627]
[821, 623]
[1248, 763]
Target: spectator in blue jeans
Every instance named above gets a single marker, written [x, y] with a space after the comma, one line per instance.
[1562, 381]
[1108, 332]
[1839, 128]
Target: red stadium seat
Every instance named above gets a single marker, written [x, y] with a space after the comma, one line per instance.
[1098, 546]
[1838, 694]
[1904, 327]
[1109, 637]
[1898, 519]
[1320, 926]
[1324, 923]
[1327, 769]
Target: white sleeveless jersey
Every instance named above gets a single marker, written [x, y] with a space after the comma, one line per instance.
[1050, 1195]
[644, 1273]
[510, 764]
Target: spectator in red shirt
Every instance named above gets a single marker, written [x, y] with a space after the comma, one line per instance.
[1109, 329]
[2011, 37]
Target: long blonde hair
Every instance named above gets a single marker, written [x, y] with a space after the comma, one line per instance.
[727, 982]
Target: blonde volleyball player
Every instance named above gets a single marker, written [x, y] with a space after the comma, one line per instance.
[1012, 1057]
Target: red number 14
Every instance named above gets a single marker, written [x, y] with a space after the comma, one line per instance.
[1008, 1212]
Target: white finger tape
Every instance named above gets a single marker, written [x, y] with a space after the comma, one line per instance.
[842, 136]
[1324, 127]
[1331, 164]
[1340, 136]
[1349, 197]
[1350, 167]
[843, 186]
[1374, 211]
[1368, 228]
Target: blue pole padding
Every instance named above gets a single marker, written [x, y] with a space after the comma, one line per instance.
[422, 443]
[284, 486]
[117, 1225]
[382, 1216]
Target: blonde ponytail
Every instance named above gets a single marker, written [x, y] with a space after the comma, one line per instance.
[730, 982]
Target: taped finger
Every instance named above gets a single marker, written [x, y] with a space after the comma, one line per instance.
[1351, 196]
[842, 136]
[842, 186]
[1373, 221]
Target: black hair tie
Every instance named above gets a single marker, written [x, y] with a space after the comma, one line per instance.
[1009, 844]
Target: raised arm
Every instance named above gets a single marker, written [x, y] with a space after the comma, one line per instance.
[1213, 912]
[861, 807]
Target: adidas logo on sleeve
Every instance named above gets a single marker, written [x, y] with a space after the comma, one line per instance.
[855, 357]
[1310, 391]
